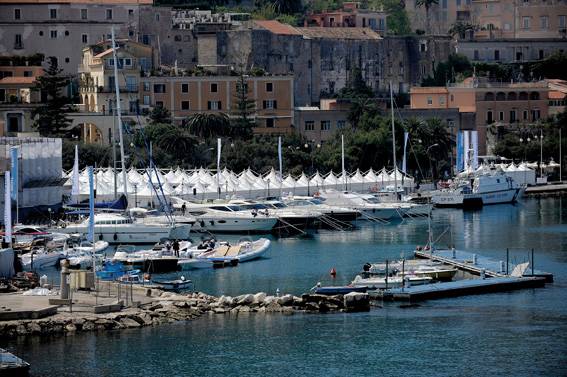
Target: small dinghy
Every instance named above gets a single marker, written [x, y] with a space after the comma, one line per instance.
[175, 285]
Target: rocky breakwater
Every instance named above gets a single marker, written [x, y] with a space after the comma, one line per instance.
[168, 307]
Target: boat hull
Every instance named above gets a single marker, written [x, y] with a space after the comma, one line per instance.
[476, 200]
[133, 234]
[236, 225]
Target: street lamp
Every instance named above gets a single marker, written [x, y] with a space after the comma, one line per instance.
[135, 194]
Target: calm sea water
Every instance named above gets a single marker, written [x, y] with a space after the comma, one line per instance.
[521, 333]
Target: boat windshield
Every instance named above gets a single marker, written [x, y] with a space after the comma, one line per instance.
[372, 200]
[253, 206]
[231, 208]
[297, 203]
[278, 205]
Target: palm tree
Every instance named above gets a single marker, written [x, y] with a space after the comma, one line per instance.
[176, 141]
[208, 124]
[427, 5]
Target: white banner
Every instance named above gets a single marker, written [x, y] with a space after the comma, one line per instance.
[219, 146]
[406, 138]
[343, 159]
[7, 208]
[474, 137]
[466, 149]
[75, 189]
[280, 157]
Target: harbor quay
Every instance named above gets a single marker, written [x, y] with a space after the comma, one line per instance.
[22, 315]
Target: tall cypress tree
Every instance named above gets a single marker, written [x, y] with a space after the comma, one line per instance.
[51, 116]
[244, 108]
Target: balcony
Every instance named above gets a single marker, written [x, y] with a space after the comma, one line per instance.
[123, 89]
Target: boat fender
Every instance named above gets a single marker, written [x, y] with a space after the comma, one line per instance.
[202, 223]
[64, 225]
[333, 272]
[212, 222]
[115, 237]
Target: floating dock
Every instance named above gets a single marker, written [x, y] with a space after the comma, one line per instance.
[552, 189]
[496, 276]
[475, 264]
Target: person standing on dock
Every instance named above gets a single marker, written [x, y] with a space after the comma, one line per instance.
[176, 248]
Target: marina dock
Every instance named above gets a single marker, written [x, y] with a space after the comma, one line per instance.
[475, 264]
[495, 276]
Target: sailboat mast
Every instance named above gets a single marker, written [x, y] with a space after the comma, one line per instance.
[394, 141]
[119, 115]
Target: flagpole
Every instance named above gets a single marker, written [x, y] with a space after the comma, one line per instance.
[343, 159]
[219, 146]
[281, 163]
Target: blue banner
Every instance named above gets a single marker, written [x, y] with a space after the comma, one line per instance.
[90, 235]
[460, 152]
[14, 172]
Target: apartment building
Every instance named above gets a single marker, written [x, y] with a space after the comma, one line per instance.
[352, 14]
[17, 100]
[520, 19]
[62, 28]
[496, 105]
[97, 81]
[442, 15]
[510, 50]
[187, 95]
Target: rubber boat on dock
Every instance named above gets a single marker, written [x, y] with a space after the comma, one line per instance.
[40, 258]
[225, 254]
[152, 261]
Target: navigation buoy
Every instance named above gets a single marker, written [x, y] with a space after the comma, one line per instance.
[333, 272]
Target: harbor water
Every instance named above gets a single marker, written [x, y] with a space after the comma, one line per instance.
[521, 333]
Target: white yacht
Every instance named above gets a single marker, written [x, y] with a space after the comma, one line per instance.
[473, 190]
[116, 228]
[370, 206]
[144, 216]
[317, 204]
[27, 234]
[227, 218]
[289, 219]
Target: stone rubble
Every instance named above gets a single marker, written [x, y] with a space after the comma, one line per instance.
[171, 307]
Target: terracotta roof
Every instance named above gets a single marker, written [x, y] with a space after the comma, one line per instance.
[555, 94]
[429, 89]
[104, 53]
[18, 80]
[94, 2]
[467, 109]
[339, 33]
[277, 27]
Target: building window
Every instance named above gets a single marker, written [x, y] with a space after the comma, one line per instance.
[489, 118]
[544, 22]
[2, 95]
[562, 21]
[325, 125]
[66, 33]
[53, 34]
[146, 39]
[130, 12]
[157, 17]
[501, 116]
[476, 55]
[159, 103]
[17, 14]
[85, 38]
[512, 116]
[270, 104]
[184, 88]
[526, 23]
[146, 100]
[541, 55]
[442, 100]
[131, 84]
[67, 60]
[269, 87]
[214, 105]
[18, 44]
[309, 125]
[429, 100]
[109, 14]
[496, 55]
[270, 122]
[214, 88]
[127, 62]
[184, 105]
[535, 115]
[53, 14]
[159, 88]
[41, 33]
[28, 73]
[341, 124]
[146, 86]
[84, 14]
[525, 115]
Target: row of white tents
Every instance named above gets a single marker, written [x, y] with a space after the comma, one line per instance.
[204, 183]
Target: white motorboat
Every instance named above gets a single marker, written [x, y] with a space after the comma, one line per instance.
[336, 213]
[477, 189]
[145, 216]
[115, 229]
[289, 219]
[370, 206]
[225, 254]
[40, 258]
[415, 267]
[378, 282]
[28, 234]
[85, 246]
[224, 218]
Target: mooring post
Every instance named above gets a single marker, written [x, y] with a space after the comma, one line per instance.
[532, 262]
[403, 273]
[386, 274]
[507, 259]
